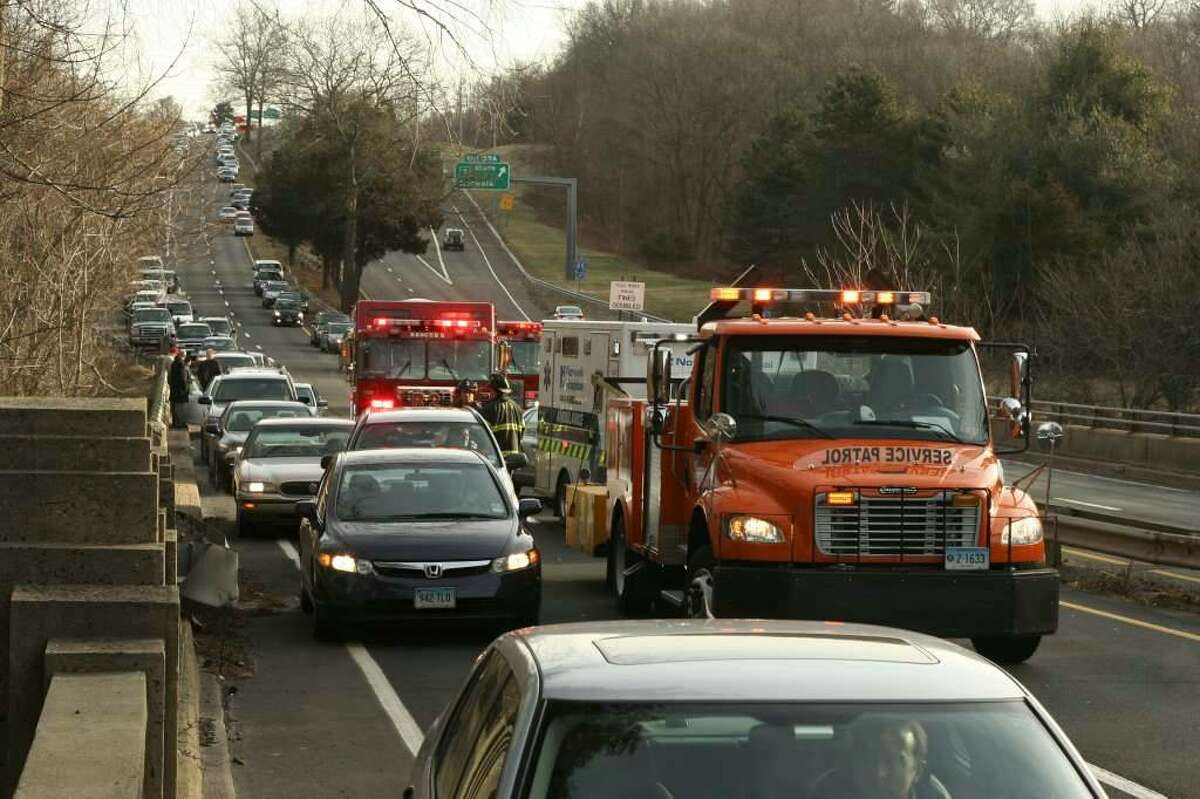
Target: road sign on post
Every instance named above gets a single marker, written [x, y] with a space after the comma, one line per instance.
[483, 171]
[580, 269]
[506, 202]
[624, 295]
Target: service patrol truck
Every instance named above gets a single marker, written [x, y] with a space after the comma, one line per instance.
[829, 455]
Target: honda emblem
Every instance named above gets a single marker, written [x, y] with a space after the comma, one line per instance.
[433, 570]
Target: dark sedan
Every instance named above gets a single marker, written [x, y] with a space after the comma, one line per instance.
[287, 312]
[416, 534]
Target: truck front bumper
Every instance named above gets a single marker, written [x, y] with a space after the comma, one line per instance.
[994, 603]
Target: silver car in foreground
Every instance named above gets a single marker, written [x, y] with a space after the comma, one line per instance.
[279, 465]
[729, 708]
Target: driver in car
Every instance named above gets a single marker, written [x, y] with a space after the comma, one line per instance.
[887, 761]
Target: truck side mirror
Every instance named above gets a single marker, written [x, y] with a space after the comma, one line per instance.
[1019, 370]
[658, 376]
[722, 427]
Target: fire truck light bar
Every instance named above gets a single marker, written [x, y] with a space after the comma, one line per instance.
[762, 296]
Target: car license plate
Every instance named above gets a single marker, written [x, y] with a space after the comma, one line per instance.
[434, 598]
[967, 558]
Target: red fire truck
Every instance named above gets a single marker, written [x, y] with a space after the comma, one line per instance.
[420, 352]
[524, 366]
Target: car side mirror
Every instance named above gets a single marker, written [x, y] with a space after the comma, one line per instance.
[516, 460]
[529, 506]
[232, 457]
[322, 403]
[658, 388]
[212, 425]
[1011, 408]
[326, 461]
[307, 509]
[204, 399]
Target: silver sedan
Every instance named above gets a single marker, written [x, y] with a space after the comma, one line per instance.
[723, 708]
[279, 465]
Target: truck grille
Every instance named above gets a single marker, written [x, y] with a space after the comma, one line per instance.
[918, 524]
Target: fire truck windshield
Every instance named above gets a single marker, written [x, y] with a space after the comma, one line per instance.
[853, 387]
[526, 358]
[425, 359]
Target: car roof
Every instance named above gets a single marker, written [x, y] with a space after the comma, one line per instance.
[757, 660]
[421, 415]
[256, 373]
[360, 457]
[311, 421]
[243, 404]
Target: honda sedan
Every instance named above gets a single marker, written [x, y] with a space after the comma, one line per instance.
[417, 535]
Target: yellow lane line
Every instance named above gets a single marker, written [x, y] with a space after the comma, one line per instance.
[1158, 628]
[1079, 553]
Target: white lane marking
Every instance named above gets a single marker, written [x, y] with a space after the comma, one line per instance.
[389, 269]
[1122, 481]
[247, 335]
[401, 719]
[1132, 622]
[442, 276]
[1124, 785]
[532, 521]
[1084, 504]
[410, 291]
[488, 263]
[406, 726]
[290, 551]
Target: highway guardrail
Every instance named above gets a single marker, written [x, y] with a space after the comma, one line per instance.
[1146, 546]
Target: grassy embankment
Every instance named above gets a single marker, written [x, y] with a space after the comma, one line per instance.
[541, 244]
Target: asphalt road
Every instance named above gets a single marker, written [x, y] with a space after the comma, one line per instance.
[336, 720]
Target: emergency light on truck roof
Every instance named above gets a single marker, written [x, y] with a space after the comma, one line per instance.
[447, 322]
[761, 296]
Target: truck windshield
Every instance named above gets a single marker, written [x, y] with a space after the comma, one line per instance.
[853, 387]
[823, 750]
[454, 359]
[425, 359]
[526, 358]
[392, 358]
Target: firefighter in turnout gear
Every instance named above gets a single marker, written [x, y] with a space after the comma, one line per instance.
[504, 415]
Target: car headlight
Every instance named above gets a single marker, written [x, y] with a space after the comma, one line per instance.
[300, 315]
[277, 313]
[516, 561]
[1022, 531]
[344, 563]
[752, 530]
[255, 487]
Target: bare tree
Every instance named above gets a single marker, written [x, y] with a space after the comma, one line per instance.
[250, 58]
[1138, 14]
[983, 18]
[342, 72]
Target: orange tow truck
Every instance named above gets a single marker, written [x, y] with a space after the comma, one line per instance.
[839, 467]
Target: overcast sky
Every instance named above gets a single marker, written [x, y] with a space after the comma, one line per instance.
[181, 32]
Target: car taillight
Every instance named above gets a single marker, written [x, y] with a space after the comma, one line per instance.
[531, 396]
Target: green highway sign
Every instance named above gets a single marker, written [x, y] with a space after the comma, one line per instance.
[488, 175]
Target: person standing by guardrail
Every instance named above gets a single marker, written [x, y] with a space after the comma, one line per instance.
[177, 381]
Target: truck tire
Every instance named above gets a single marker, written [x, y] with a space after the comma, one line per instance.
[697, 599]
[1014, 649]
[560, 497]
[634, 593]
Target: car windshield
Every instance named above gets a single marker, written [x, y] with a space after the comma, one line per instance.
[218, 343]
[252, 388]
[571, 310]
[338, 327]
[276, 286]
[194, 330]
[239, 420]
[287, 304]
[526, 358]
[853, 387]
[296, 442]
[219, 327]
[823, 751]
[395, 492]
[455, 435]
[234, 361]
[180, 307]
[151, 315]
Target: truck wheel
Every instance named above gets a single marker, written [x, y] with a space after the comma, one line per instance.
[560, 497]
[633, 592]
[1016, 649]
[697, 601]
